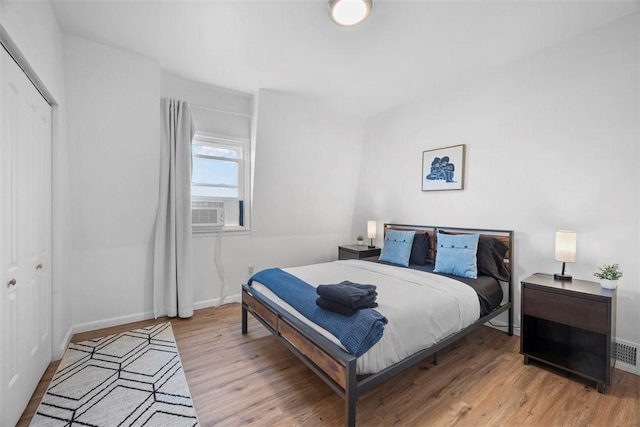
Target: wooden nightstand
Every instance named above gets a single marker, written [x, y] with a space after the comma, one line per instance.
[357, 252]
[569, 325]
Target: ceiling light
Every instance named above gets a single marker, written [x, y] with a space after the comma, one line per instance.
[349, 12]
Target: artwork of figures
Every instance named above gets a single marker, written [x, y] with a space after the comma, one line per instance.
[443, 168]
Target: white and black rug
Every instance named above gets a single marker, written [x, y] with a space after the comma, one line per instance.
[130, 379]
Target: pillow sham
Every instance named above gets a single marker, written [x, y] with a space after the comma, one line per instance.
[420, 249]
[457, 255]
[491, 254]
[397, 247]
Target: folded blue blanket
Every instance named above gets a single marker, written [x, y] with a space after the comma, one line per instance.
[357, 333]
[347, 293]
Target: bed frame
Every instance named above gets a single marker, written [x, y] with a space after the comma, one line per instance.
[335, 366]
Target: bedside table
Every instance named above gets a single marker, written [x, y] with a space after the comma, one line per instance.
[357, 252]
[569, 325]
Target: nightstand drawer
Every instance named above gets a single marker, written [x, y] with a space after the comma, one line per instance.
[357, 252]
[344, 254]
[569, 310]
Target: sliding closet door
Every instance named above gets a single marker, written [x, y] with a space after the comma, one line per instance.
[25, 239]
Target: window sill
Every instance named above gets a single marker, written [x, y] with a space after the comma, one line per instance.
[228, 231]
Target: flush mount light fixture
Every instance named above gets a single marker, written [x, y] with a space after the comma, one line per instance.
[349, 12]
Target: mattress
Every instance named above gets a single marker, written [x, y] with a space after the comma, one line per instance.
[488, 288]
[422, 308]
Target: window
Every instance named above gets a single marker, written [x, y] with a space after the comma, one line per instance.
[216, 170]
[218, 183]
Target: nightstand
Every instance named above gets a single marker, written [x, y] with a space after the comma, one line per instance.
[569, 325]
[357, 252]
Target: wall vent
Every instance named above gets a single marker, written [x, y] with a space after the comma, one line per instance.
[625, 353]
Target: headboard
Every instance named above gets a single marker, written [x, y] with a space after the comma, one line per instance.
[505, 236]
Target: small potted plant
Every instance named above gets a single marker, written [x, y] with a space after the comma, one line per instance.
[609, 275]
[360, 239]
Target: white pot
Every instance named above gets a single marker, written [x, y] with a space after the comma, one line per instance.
[360, 242]
[608, 284]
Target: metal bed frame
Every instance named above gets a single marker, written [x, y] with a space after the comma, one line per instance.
[335, 366]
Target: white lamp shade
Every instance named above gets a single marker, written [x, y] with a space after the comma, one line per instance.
[371, 229]
[566, 246]
[349, 12]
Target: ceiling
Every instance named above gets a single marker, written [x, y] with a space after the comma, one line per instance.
[404, 50]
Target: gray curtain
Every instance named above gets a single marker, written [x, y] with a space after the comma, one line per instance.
[172, 266]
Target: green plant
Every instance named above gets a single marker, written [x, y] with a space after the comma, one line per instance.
[360, 237]
[609, 272]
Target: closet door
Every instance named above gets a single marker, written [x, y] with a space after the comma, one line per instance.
[25, 239]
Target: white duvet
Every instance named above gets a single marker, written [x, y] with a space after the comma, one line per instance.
[422, 308]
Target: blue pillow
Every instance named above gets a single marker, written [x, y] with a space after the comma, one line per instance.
[456, 254]
[397, 247]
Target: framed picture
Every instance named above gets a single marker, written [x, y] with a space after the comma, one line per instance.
[443, 168]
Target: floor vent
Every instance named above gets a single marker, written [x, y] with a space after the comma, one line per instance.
[625, 353]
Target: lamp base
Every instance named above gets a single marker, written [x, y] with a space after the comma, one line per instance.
[562, 277]
[371, 246]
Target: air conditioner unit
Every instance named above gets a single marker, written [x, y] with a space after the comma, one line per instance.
[207, 213]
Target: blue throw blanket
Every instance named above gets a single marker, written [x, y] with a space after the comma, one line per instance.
[357, 333]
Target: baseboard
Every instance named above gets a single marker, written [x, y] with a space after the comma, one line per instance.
[627, 368]
[113, 321]
[116, 321]
[504, 327]
[215, 302]
[59, 352]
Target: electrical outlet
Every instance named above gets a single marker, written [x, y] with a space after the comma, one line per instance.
[250, 269]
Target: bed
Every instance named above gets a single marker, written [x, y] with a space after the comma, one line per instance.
[425, 311]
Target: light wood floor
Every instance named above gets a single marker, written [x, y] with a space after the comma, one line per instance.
[479, 381]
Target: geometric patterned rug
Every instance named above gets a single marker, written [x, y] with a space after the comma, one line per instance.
[130, 379]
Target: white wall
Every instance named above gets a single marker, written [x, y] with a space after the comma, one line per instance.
[306, 164]
[552, 142]
[306, 161]
[33, 29]
[310, 156]
[114, 131]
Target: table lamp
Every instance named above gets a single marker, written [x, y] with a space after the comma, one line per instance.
[565, 251]
[371, 232]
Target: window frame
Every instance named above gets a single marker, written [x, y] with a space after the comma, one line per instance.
[243, 147]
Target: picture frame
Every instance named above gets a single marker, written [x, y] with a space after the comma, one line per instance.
[443, 168]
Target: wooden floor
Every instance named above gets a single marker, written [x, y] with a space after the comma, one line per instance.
[479, 381]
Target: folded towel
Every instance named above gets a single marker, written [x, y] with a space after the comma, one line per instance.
[347, 293]
[336, 307]
[357, 333]
[364, 287]
[362, 303]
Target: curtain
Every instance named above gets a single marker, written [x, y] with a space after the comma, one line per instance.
[172, 264]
